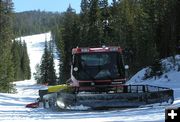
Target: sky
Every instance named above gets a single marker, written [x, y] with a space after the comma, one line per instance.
[46, 5]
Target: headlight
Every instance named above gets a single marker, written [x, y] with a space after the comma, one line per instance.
[60, 103]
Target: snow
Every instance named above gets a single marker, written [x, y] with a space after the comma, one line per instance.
[12, 106]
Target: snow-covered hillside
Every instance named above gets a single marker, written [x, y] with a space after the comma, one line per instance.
[35, 46]
[12, 106]
[170, 77]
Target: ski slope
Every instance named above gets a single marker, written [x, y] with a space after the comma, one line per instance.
[35, 47]
[12, 106]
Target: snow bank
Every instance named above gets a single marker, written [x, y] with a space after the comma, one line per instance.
[170, 77]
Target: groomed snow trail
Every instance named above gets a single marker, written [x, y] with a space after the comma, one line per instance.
[12, 106]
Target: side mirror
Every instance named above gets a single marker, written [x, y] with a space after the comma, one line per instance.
[126, 67]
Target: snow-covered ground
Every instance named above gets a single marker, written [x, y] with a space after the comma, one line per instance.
[12, 106]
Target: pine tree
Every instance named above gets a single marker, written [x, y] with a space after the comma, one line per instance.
[147, 50]
[106, 20]
[37, 74]
[61, 53]
[25, 63]
[44, 65]
[95, 25]
[17, 60]
[45, 73]
[69, 39]
[84, 18]
[156, 69]
[21, 61]
[114, 11]
[6, 35]
[51, 69]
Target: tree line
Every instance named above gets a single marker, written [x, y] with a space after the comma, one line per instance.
[14, 61]
[21, 61]
[148, 30]
[34, 22]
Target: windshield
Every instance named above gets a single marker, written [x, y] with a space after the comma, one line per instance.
[98, 66]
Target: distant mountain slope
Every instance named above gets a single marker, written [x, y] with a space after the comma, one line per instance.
[34, 22]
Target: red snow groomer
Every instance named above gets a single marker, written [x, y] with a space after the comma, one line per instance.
[98, 77]
[96, 69]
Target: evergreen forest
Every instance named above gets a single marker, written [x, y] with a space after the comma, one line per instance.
[14, 60]
[147, 30]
